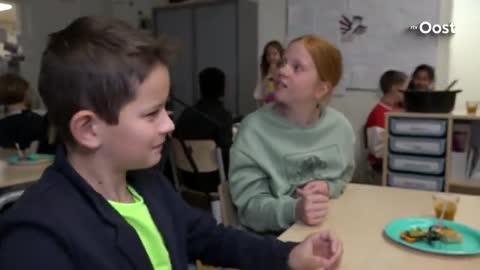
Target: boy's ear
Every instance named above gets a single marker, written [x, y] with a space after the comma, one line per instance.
[84, 129]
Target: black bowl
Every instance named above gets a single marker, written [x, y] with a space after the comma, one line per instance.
[430, 101]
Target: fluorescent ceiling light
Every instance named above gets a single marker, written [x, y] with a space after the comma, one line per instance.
[4, 6]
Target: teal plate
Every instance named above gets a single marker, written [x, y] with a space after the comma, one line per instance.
[469, 246]
[30, 160]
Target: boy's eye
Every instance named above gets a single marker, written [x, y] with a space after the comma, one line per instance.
[152, 113]
[296, 67]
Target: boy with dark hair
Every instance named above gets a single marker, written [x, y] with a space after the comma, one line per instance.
[20, 125]
[215, 124]
[392, 83]
[105, 85]
[211, 81]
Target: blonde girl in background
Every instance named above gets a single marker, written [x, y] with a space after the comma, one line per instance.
[271, 58]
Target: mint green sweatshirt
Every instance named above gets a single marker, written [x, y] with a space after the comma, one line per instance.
[272, 156]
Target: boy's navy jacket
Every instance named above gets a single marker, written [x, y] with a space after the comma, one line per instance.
[62, 223]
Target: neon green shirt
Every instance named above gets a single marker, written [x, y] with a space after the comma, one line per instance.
[137, 215]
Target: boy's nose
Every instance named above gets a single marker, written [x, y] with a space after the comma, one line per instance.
[166, 124]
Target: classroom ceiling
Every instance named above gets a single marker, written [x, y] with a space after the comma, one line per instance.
[8, 16]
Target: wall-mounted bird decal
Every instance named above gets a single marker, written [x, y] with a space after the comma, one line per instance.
[351, 27]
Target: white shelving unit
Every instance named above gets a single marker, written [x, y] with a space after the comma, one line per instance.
[422, 122]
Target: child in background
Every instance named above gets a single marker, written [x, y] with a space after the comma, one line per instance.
[216, 122]
[271, 57]
[392, 83]
[422, 78]
[20, 124]
[101, 205]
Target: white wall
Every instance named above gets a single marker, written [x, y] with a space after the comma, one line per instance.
[443, 53]
[464, 54]
[272, 22]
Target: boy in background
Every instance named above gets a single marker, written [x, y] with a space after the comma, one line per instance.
[207, 120]
[393, 85]
[20, 125]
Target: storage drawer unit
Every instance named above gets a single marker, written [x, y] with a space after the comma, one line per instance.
[418, 127]
[417, 164]
[417, 145]
[413, 181]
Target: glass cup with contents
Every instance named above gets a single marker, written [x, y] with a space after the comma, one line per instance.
[472, 107]
[447, 203]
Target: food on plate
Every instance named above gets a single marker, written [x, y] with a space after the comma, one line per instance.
[433, 233]
[448, 234]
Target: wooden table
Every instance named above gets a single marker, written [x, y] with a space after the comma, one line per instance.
[358, 218]
[17, 174]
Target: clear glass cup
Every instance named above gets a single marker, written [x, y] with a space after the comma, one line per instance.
[472, 107]
[447, 201]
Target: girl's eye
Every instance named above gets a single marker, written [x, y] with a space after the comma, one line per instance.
[296, 67]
